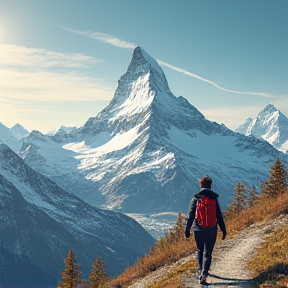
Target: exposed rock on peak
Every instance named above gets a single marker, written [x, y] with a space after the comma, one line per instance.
[270, 108]
[143, 62]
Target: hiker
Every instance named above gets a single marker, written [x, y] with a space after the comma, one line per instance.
[205, 212]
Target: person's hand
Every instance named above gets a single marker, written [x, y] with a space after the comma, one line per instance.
[187, 233]
[224, 235]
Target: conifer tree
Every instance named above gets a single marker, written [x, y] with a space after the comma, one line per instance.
[253, 196]
[277, 181]
[98, 277]
[175, 235]
[71, 272]
[239, 201]
[232, 208]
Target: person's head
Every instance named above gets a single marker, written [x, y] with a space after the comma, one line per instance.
[205, 182]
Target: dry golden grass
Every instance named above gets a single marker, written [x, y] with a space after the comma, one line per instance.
[266, 208]
[174, 247]
[271, 260]
[173, 279]
[166, 251]
[154, 260]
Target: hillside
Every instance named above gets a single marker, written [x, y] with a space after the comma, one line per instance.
[40, 222]
[229, 264]
[254, 251]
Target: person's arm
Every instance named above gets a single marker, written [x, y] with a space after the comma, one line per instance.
[190, 216]
[220, 220]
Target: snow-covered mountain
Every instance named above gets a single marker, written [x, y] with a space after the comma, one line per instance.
[271, 125]
[62, 130]
[7, 137]
[146, 151]
[40, 222]
[19, 131]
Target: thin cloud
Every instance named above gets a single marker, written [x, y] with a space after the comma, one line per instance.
[32, 74]
[214, 84]
[50, 86]
[20, 56]
[103, 37]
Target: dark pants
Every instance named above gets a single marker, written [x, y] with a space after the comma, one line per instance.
[205, 241]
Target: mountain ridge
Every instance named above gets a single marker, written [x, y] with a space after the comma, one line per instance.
[65, 220]
[146, 151]
[270, 124]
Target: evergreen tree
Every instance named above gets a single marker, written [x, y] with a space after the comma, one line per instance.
[239, 201]
[71, 272]
[277, 181]
[253, 196]
[98, 277]
[232, 208]
[175, 235]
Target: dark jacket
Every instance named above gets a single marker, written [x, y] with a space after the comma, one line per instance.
[192, 210]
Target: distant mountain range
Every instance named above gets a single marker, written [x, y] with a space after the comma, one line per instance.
[145, 152]
[8, 137]
[62, 129]
[40, 222]
[271, 125]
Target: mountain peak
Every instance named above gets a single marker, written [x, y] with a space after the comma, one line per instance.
[270, 125]
[270, 108]
[138, 87]
[143, 94]
[19, 131]
[142, 61]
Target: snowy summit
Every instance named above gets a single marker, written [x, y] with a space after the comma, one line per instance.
[271, 125]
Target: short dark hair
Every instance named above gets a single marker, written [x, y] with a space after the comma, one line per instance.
[205, 182]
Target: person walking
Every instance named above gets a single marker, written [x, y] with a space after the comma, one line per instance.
[205, 212]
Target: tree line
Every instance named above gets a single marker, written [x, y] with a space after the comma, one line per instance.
[245, 198]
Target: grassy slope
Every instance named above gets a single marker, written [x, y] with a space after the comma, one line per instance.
[270, 262]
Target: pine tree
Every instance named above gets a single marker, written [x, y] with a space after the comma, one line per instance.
[277, 181]
[71, 272]
[175, 235]
[232, 208]
[253, 196]
[239, 201]
[98, 277]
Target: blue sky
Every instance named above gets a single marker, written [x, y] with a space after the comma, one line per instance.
[60, 60]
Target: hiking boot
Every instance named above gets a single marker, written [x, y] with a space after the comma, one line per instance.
[202, 280]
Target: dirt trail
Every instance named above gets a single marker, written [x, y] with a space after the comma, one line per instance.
[229, 262]
[231, 256]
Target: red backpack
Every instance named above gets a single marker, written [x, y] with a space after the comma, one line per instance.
[206, 212]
